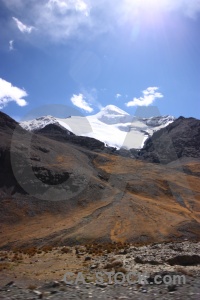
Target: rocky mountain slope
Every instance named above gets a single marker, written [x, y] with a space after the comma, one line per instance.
[58, 191]
[179, 139]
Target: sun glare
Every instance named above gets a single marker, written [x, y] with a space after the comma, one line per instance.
[144, 4]
[147, 12]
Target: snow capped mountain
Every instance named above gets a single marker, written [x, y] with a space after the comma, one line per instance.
[111, 125]
[41, 122]
[38, 123]
[111, 114]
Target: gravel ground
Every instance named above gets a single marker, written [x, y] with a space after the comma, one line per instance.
[59, 290]
[158, 260]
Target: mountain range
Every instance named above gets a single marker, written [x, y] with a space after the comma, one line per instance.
[59, 188]
[112, 126]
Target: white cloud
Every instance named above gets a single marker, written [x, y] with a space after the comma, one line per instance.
[118, 95]
[9, 93]
[82, 6]
[22, 27]
[11, 47]
[79, 101]
[149, 96]
[59, 3]
[58, 20]
[68, 5]
[92, 97]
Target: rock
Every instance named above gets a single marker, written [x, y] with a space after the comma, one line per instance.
[171, 288]
[54, 292]
[101, 285]
[87, 258]
[184, 260]
[55, 284]
[94, 266]
[80, 250]
[114, 264]
[140, 260]
[122, 251]
[46, 294]
[38, 293]
[10, 283]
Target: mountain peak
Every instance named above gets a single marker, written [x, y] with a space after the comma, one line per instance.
[112, 114]
[38, 123]
[113, 110]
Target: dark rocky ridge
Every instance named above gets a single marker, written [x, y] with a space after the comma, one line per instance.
[179, 139]
[48, 159]
[7, 127]
[45, 147]
[55, 130]
[7, 122]
[58, 133]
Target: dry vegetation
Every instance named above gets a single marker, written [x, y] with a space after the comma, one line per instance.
[136, 202]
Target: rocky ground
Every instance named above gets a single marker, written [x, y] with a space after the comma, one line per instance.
[56, 290]
[40, 274]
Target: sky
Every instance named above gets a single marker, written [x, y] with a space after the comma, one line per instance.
[87, 54]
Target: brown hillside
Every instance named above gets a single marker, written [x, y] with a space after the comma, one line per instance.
[106, 197]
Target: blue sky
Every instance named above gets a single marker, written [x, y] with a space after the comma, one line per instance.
[89, 54]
